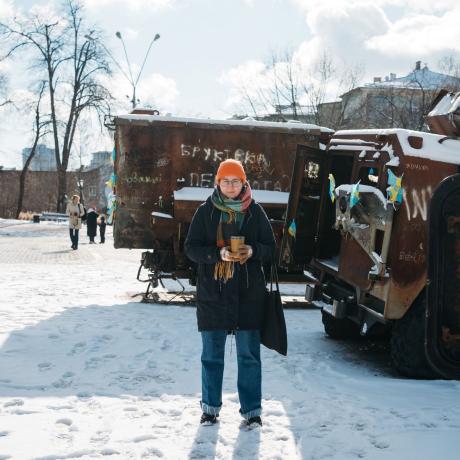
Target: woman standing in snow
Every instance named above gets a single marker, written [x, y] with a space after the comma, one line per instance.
[230, 288]
[91, 224]
[75, 211]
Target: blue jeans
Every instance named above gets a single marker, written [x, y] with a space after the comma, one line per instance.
[74, 236]
[249, 371]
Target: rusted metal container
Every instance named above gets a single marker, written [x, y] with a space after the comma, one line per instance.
[362, 218]
[444, 115]
[165, 168]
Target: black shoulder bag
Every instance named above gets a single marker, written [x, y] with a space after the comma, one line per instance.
[273, 333]
[83, 217]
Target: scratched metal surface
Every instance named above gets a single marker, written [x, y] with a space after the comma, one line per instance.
[156, 158]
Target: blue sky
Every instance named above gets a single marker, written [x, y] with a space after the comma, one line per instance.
[209, 47]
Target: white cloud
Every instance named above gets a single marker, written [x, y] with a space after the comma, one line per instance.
[420, 35]
[373, 38]
[6, 9]
[245, 81]
[130, 34]
[133, 5]
[427, 6]
[154, 90]
[158, 92]
[47, 13]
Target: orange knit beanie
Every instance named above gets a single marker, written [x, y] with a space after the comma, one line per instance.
[231, 168]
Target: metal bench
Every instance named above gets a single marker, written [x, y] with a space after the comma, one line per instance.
[54, 216]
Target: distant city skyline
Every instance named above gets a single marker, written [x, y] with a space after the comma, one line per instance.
[44, 159]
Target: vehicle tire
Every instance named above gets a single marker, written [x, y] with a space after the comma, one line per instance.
[407, 343]
[342, 328]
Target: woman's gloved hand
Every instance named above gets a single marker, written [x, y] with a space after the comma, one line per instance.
[244, 253]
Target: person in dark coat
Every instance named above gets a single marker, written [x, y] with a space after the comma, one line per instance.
[230, 288]
[102, 226]
[91, 224]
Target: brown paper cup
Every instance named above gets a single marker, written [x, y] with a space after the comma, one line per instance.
[235, 242]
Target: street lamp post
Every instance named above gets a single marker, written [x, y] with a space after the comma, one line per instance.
[132, 81]
[80, 183]
[130, 78]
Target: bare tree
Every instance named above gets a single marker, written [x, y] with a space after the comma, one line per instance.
[450, 65]
[39, 132]
[290, 88]
[4, 100]
[69, 55]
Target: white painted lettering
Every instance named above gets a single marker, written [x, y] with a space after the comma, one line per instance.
[184, 149]
[194, 180]
[218, 156]
[207, 179]
[207, 152]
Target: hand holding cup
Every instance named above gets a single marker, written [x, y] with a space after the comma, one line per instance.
[227, 255]
[244, 253]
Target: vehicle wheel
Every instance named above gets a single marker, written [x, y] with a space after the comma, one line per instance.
[337, 328]
[408, 343]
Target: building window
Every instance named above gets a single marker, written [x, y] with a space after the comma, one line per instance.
[92, 190]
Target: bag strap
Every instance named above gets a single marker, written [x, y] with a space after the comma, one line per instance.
[273, 276]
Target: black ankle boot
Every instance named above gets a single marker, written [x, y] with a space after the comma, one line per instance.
[208, 419]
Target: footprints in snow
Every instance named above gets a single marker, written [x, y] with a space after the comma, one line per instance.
[14, 402]
[64, 421]
[45, 366]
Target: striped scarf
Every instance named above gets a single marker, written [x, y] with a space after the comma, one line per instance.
[231, 221]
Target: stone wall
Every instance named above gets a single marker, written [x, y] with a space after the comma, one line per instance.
[41, 190]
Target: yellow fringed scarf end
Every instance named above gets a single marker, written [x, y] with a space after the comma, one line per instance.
[223, 270]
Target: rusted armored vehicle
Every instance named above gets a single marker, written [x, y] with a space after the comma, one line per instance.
[375, 223]
[165, 167]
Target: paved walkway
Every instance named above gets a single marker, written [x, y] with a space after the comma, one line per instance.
[49, 243]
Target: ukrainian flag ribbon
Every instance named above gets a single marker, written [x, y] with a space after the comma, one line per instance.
[292, 229]
[395, 190]
[354, 198]
[332, 187]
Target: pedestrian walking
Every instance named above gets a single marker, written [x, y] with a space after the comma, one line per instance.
[102, 226]
[75, 211]
[91, 224]
[231, 288]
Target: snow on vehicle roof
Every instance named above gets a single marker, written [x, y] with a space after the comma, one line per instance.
[364, 147]
[245, 123]
[448, 104]
[202, 193]
[447, 152]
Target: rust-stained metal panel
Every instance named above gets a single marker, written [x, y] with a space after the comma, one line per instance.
[407, 252]
[444, 116]
[157, 156]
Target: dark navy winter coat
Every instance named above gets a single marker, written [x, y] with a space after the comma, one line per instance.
[237, 303]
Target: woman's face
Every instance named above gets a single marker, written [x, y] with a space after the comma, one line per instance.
[75, 199]
[231, 186]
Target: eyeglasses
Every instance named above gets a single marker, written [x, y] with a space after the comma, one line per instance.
[228, 183]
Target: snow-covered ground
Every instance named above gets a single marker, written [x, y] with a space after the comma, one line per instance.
[86, 371]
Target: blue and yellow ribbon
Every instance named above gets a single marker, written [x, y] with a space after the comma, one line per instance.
[332, 187]
[395, 190]
[292, 229]
[354, 198]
